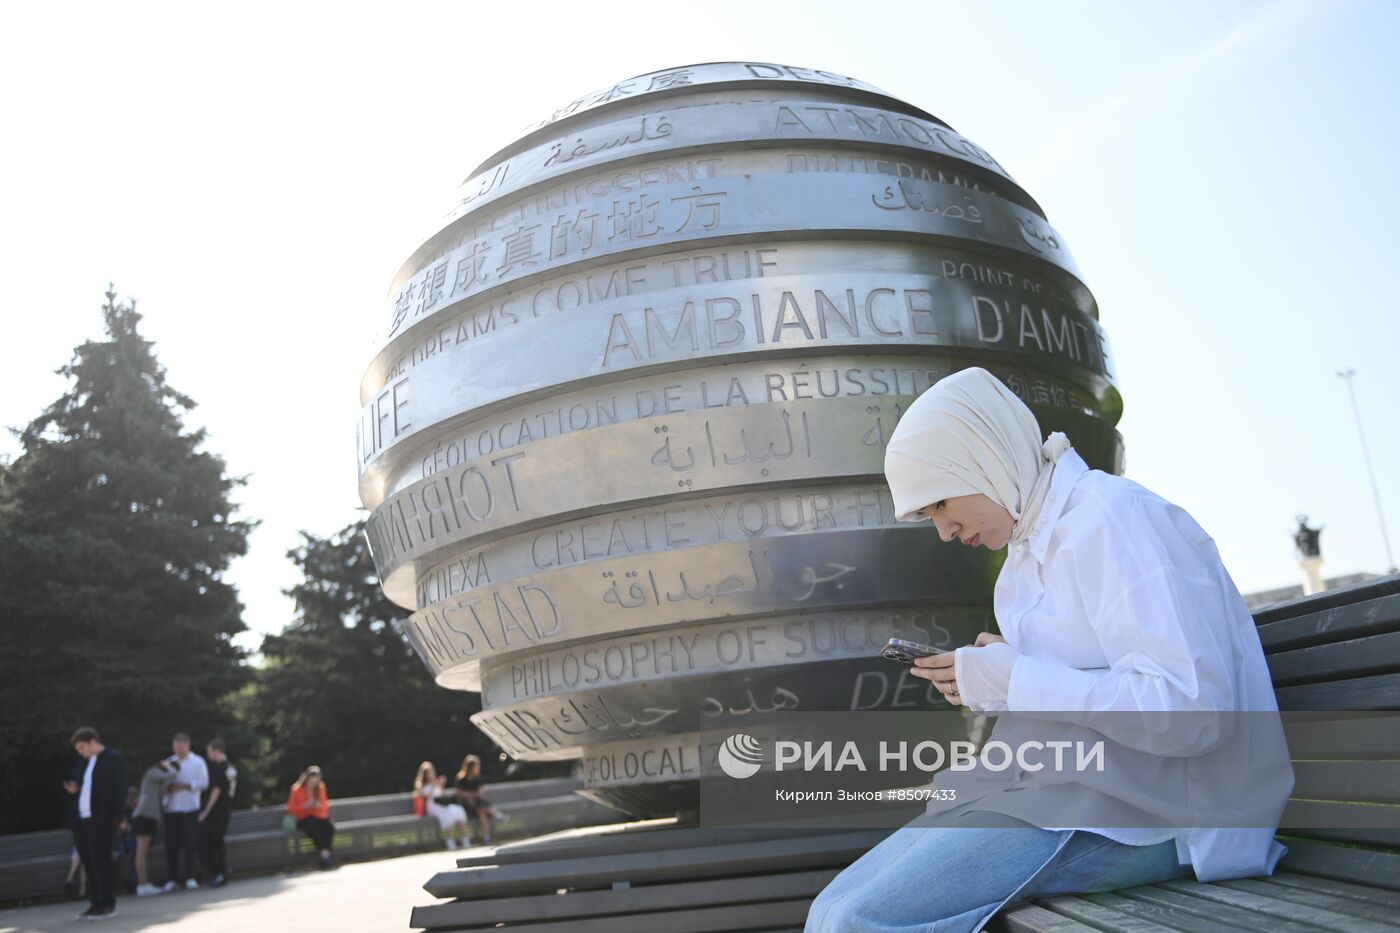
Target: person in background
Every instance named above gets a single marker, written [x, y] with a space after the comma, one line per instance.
[182, 813]
[310, 806]
[126, 842]
[100, 802]
[472, 796]
[145, 821]
[431, 788]
[77, 875]
[213, 819]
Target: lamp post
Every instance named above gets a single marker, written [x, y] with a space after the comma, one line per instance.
[1347, 375]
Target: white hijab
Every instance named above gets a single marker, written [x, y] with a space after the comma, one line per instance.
[970, 434]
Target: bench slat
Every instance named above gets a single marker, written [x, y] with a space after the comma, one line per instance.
[1378, 654]
[1371, 781]
[1239, 917]
[1340, 888]
[1281, 910]
[1329, 599]
[1339, 734]
[751, 888]
[694, 920]
[1360, 866]
[1364, 693]
[1157, 913]
[1036, 919]
[1370, 617]
[1340, 905]
[1366, 824]
[642, 867]
[1105, 918]
[602, 846]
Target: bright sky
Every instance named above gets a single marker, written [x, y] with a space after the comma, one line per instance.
[1224, 173]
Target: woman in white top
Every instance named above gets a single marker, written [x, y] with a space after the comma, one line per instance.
[1119, 624]
[451, 817]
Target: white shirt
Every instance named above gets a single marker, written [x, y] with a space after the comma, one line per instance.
[85, 795]
[1119, 604]
[194, 772]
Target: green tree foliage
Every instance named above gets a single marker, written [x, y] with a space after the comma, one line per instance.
[115, 532]
[341, 688]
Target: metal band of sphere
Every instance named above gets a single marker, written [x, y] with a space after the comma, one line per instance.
[690, 585]
[729, 210]
[725, 645]
[709, 122]
[669, 280]
[685, 79]
[695, 453]
[555, 727]
[877, 379]
[769, 319]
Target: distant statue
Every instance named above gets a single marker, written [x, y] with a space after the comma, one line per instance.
[1306, 538]
[1309, 556]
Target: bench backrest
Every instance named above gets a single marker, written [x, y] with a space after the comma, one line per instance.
[1335, 663]
[20, 846]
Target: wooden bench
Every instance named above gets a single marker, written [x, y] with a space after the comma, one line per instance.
[1333, 652]
[33, 865]
[1336, 651]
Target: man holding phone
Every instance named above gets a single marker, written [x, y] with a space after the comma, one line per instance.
[101, 800]
[182, 813]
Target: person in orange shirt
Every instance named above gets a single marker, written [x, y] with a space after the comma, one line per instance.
[310, 806]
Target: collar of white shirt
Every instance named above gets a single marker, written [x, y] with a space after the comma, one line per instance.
[1069, 470]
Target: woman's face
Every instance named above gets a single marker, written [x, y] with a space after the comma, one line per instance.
[974, 520]
[312, 780]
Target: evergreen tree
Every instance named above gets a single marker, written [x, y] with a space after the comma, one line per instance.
[341, 688]
[115, 532]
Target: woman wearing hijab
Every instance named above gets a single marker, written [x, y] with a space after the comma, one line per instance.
[1116, 613]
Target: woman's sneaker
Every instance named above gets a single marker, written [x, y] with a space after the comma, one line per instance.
[146, 890]
[191, 884]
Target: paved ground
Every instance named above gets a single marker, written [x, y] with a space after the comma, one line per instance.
[370, 896]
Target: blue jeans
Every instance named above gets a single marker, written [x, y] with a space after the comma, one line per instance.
[951, 879]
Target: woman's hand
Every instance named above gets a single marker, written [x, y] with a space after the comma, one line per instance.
[938, 668]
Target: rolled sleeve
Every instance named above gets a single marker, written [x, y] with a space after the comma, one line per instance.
[983, 676]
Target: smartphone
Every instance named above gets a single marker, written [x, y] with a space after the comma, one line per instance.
[897, 649]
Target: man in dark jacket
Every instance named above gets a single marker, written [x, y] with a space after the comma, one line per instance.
[213, 819]
[101, 802]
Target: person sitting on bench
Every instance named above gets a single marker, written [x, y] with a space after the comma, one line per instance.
[1119, 622]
